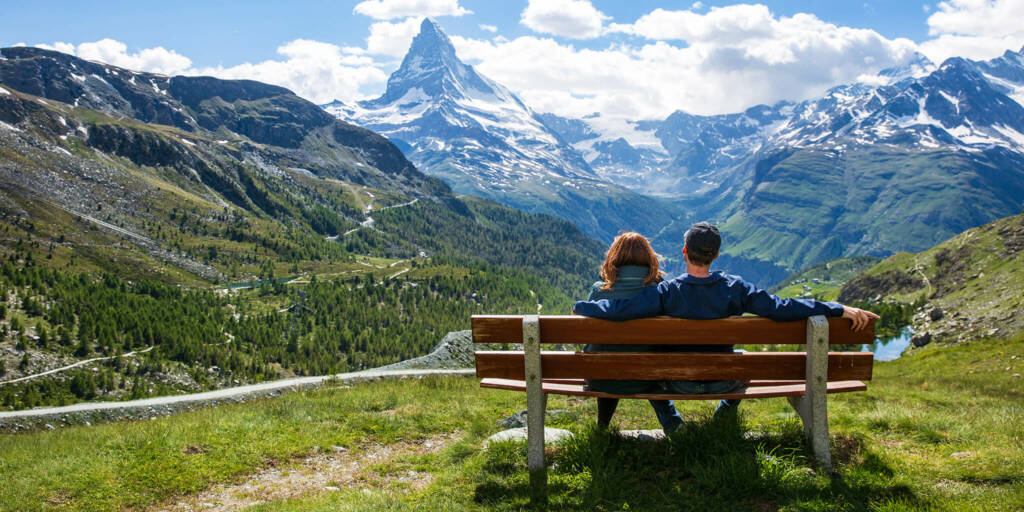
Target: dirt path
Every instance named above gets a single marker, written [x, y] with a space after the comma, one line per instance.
[73, 365]
[337, 469]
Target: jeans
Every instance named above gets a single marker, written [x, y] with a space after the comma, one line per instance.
[709, 387]
[665, 410]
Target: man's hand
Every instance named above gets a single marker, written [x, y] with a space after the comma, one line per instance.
[860, 317]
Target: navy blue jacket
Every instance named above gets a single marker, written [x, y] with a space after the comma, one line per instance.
[703, 298]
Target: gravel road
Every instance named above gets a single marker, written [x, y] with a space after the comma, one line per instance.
[148, 408]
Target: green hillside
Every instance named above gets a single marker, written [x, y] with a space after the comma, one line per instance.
[970, 284]
[823, 280]
[133, 206]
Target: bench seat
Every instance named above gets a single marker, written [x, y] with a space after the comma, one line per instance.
[756, 389]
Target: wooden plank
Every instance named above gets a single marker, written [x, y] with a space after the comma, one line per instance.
[753, 383]
[749, 392]
[663, 331]
[673, 366]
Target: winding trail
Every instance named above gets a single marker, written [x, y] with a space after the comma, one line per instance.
[917, 267]
[73, 365]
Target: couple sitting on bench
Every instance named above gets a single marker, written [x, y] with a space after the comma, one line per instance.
[632, 286]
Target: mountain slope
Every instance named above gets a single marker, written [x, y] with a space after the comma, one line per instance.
[481, 139]
[971, 284]
[118, 213]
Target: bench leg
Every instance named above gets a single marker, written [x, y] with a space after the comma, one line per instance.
[536, 405]
[813, 406]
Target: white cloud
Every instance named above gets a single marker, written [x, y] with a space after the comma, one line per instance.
[392, 39]
[317, 71]
[488, 28]
[391, 9]
[977, 29]
[697, 6]
[155, 60]
[576, 19]
[734, 57]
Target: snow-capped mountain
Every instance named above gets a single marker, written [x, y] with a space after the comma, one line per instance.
[457, 124]
[865, 169]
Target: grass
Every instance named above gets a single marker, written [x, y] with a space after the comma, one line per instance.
[937, 430]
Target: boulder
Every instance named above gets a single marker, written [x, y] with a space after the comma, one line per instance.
[551, 435]
[921, 339]
[936, 314]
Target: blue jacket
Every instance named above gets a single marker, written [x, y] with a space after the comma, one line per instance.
[703, 298]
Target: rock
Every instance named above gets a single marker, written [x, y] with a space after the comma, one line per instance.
[519, 419]
[48, 426]
[551, 435]
[962, 455]
[339, 449]
[644, 435]
[936, 314]
[516, 420]
[921, 339]
[1016, 375]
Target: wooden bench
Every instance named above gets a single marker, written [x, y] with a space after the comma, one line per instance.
[803, 377]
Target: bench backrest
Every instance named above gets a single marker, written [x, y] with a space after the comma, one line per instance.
[775, 366]
[663, 331]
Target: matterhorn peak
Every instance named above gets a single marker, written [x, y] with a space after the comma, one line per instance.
[431, 69]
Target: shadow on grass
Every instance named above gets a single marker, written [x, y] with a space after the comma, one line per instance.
[709, 465]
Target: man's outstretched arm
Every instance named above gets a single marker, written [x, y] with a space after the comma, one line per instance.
[645, 304]
[762, 303]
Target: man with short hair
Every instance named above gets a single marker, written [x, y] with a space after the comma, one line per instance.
[700, 294]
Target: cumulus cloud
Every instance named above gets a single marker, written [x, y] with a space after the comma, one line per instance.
[317, 71]
[392, 39]
[733, 58]
[576, 19]
[977, 29]
[156, 60]
[488, 28]
[391, 9]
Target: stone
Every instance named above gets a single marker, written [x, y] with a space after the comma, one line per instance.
[516, 420]
[921, 339]
[643, 435]
[519, 419]
[936, 314]
[551, 435]
[1016, 375]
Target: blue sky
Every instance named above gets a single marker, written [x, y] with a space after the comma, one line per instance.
[214, 33]
[640, 58]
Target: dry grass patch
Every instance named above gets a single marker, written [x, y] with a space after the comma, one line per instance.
[371, 466]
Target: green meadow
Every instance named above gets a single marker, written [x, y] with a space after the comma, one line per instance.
[938, 429]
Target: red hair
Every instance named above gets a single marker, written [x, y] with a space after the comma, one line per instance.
[629, 249]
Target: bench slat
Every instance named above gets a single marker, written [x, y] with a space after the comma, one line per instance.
[663, 330]
[753, 383]
[553, 388]
[842, 366]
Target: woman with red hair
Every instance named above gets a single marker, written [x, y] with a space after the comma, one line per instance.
[629, 266]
